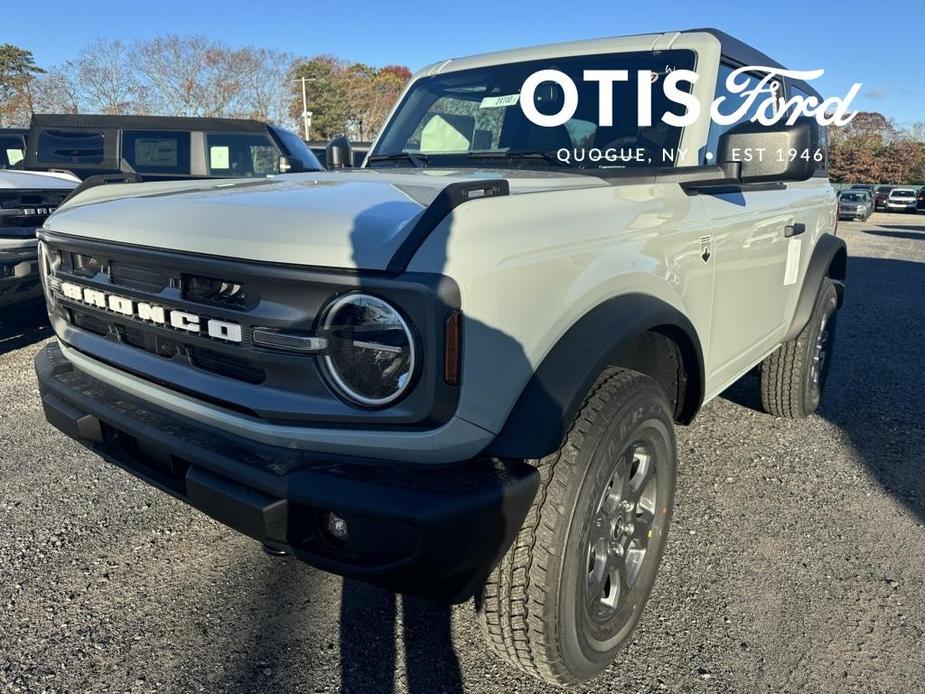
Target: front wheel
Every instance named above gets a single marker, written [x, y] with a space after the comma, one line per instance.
[793, 378]
[567, 595]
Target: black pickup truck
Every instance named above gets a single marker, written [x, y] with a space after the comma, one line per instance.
[164, 147]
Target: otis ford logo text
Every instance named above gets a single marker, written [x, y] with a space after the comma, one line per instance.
[152, 313]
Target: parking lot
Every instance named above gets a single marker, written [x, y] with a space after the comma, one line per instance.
[795, 560]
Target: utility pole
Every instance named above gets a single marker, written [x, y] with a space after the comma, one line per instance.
[306, 114]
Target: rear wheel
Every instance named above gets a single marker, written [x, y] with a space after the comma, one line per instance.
[793, 378]
[568, 594]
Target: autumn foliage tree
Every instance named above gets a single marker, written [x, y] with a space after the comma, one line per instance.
[872, 149]
[346, 98]
[17, 72]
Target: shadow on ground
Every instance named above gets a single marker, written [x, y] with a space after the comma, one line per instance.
[23, 324]
[876, 385]
[368, 654]
[899, 231]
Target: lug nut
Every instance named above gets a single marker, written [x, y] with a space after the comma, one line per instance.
[337, 526]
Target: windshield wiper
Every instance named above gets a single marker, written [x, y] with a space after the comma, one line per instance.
[517, 154]
[419, 160]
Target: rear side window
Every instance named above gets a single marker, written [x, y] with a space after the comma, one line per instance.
[12, 150]
[70, 147]
[157, 151]
[241, 154]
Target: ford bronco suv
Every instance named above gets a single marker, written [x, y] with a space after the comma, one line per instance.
[26, 200]
[457, 371]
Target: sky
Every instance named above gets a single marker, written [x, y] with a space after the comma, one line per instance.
[848, 39]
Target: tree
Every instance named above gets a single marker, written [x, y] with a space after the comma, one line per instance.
[347, 98]
[186, 75]
[104, 80]
[17, 71]
[264, 78]
[873, 149]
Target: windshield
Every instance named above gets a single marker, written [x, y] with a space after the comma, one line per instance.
[474, 118]
[853, 197]
[903, 194]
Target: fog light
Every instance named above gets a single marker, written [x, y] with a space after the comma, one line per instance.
[337, 526]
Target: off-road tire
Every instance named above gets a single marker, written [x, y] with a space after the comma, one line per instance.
[793, 378]
[532, 610]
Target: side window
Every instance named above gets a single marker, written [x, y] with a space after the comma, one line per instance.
[70, 147]
[730, 105]
[241, 154]
[157, 151]
[12, 150]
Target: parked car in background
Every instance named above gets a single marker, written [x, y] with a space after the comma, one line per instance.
[12, 147]
[902, 200]
[855, 204]
[26, 200]
[869, 187]
[921, 203]
[881, 194]
[164, 148]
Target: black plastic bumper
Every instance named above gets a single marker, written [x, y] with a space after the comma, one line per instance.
[433, 531]
[19, 276]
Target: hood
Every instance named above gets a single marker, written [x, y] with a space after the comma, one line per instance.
[351, 219]
[37, 180]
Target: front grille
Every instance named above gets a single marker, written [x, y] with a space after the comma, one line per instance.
[213, 291]
[138, 336]
[129, 307]
[146, 279]
[28, 208]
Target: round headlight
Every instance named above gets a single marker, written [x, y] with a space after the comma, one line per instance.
[370, 355]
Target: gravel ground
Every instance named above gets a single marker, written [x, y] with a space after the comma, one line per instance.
[795, 561]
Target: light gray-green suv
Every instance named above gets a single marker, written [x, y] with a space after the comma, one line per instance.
[457, 371]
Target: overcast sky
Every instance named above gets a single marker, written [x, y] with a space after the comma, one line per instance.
[852, 41]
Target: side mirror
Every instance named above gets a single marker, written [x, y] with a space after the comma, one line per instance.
[771, 153]
[339, 153]
[290, 165]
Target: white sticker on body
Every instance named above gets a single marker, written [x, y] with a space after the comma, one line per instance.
[791, 274]
[500, 101]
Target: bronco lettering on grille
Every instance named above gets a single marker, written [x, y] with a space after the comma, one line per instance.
[152, 313]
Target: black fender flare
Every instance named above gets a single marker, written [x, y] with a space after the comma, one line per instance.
[829, 259]
[543, 413]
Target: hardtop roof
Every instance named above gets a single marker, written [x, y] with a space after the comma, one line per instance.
[102, 121]
[732, 49]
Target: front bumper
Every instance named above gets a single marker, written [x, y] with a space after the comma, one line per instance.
[19, 275]
[851, 213]
[903, 207]
[434, 531]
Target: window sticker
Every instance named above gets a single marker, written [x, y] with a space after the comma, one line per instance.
[793, 262]
[219, 157]
[500, 101]
[156, 151]
[14, 156]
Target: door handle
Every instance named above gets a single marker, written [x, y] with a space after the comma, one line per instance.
[794, 230]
